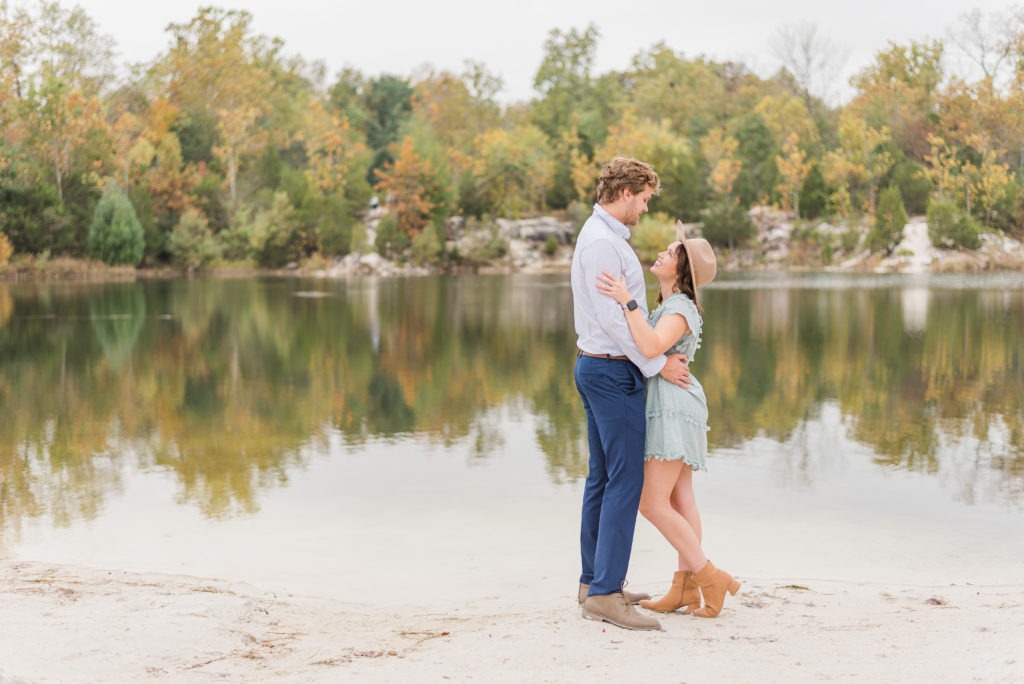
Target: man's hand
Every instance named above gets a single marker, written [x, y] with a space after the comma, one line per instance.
[676, 371]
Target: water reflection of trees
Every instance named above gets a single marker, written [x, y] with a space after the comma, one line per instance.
[910, 392]
[225, 384]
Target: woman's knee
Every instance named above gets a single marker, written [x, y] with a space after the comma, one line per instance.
[654, 508]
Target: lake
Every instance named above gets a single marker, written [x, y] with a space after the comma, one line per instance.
[386, 439]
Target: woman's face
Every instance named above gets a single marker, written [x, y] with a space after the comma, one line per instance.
[665, 265]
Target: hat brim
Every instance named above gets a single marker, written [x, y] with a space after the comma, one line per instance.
[702, 261]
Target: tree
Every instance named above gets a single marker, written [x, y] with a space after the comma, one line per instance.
[115, 234]
[15, 52]
[725, 221]
[15, 31]
[6, 250]
[658, 144]
[53, 43]
[973, 175]
[564, 80]
[388, 103]
[988, 44]
[890, 219]
[719, 150]
[856, 168]
[191, 243]
[345, 97]
[217, 74]
[689, 94]
[793, 167]
[511, 170]
[785, 115]
[412, 188]
[457, 108]
[68, 46]
[897, 91]
[239, 137]
[812, 59]
[60, 122]
[759, 175]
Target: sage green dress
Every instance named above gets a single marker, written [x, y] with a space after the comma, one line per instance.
[677, 418]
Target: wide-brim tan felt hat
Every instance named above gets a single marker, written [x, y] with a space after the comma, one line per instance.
[703, 264]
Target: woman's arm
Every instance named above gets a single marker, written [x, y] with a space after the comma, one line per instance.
[650, 341]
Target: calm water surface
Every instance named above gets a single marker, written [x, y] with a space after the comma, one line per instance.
[420, 436]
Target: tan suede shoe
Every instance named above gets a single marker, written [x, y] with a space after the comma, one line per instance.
[614, 609]
[632, 597]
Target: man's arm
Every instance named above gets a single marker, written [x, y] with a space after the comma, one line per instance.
[602, 256]
[676, 370]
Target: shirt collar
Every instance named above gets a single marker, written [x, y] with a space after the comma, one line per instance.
[616, 226]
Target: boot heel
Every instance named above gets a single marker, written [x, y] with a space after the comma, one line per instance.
[714, 584]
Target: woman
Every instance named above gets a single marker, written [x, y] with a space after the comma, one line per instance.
[676, 423]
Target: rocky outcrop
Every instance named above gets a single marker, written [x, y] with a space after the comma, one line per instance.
[545, 244]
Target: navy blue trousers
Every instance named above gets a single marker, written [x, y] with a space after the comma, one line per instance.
[613, 397]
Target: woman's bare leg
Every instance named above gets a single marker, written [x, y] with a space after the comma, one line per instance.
[658, 504]
[685, 503]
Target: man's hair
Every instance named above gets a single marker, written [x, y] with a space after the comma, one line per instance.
[625, 173]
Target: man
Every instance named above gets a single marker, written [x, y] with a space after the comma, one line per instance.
[609, 375]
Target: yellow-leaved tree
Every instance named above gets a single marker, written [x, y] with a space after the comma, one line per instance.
[857, 166]
[513, 169]
[410, 187]
[793, 166]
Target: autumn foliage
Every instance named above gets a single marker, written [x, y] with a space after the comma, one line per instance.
[248, 153]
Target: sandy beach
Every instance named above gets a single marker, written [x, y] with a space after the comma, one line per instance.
[78, 624]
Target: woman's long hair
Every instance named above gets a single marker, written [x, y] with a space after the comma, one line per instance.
[684, 277]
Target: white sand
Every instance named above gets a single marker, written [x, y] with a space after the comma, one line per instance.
[76, 624]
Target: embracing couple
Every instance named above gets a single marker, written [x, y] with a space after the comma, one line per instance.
[646, 415]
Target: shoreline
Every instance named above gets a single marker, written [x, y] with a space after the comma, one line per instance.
[94, 275]
[77, 624]
[915, 254]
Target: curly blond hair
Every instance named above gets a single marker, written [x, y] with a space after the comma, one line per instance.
[625, 173]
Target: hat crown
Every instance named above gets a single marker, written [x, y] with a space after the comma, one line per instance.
[703, 263]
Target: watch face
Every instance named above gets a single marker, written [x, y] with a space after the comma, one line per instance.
[631, 304]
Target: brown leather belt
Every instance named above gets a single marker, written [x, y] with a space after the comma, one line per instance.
[603, 356]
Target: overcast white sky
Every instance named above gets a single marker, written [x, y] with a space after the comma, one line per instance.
[398, 36]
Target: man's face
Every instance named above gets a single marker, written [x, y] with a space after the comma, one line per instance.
[636, 206]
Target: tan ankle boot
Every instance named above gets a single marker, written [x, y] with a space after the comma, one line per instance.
[713, 584]
[682, 594]
[613, 608]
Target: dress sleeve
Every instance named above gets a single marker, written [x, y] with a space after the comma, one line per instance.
[684, 306]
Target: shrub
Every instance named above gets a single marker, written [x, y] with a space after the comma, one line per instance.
[334, 227]
[390, 240]
[813, 194]
[191, 243]
[950, 226]
[359, 241]
[551, 245]
[6, 250]
[268, 234]
[726, 223]
[890, 218]
[426, 247]
[849, 239]
[115, 234]
[486, 243]
[914, 187]
[652, 234]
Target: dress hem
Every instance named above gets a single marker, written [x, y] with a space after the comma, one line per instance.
[695, 466]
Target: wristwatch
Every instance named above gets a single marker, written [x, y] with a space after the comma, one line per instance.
[630, 305]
